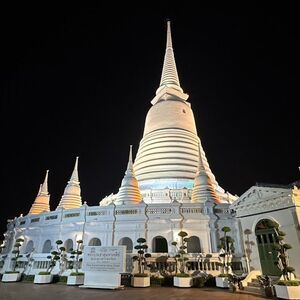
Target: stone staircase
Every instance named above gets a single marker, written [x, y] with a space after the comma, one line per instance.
[254, 287]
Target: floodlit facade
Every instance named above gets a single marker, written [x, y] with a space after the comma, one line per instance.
[169, 187]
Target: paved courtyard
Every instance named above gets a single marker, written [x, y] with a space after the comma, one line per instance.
[30, 291]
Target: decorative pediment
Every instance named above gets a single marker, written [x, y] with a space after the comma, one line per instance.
[263, 198]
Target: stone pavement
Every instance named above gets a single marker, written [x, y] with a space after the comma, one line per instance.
[30, 291]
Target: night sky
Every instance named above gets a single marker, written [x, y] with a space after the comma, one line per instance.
[78, 81]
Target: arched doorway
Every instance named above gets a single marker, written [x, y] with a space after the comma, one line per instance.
[126, 241]
[47, 247]
[68, 245]
[29, 247]
[95, 242]
[193, 245]
[159, 245]
[266, 233]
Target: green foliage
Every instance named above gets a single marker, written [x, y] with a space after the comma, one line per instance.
[17, 255]
[227, 248]
[267, 224]
[27, 278]
[226, 229]
[141, 241]
[199, 282]
[61, 279]
[271, 224]
[154, 280]
[55, 256]
[276, 247]
[182, 234]
[75, 261]
[282, 255]
[77, 274]
[11, 272]
[141, 256]
[181, 253]
[223, 275]
[44, 273]
[290, 269]
[289, 282]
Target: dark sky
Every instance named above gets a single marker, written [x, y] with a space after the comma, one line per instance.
[79, 81]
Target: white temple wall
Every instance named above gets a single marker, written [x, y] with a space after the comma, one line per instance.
[72, 231]
[131, 229]
[161, 228]
[101, 230]
[285, 218]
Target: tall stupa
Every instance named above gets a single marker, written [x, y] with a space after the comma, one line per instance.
[168, 154]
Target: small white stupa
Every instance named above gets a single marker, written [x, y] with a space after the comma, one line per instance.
[71, 197]
[129, 192]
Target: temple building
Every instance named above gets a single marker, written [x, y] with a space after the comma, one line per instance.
[169, 187]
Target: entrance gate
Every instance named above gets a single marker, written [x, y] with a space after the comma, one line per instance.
[266, 238]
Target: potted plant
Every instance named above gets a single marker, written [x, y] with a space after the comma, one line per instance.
[182, 278]
[266, 283]
[14, 275]
[286, 287]
[225, 257]
[141, 279]
[46, 276]
[76, 278]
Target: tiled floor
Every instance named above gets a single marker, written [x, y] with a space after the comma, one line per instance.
[30, 291]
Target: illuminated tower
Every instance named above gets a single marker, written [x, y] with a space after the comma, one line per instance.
[168, 154]
[203, 189]
[71, 197]
[41, 202]
[129, 192]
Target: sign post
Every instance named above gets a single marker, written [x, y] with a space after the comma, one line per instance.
[102, 266]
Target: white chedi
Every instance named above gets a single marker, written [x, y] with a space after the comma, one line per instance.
[71, 197]
[168, 151]
[129, 192]
[203, 189]
[41, 202]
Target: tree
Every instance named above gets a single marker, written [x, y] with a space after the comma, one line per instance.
[225, 253]
[16, 253]
[75, 260]
[281, 248]
[56, 255]
[181, 255]
[141, 256]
